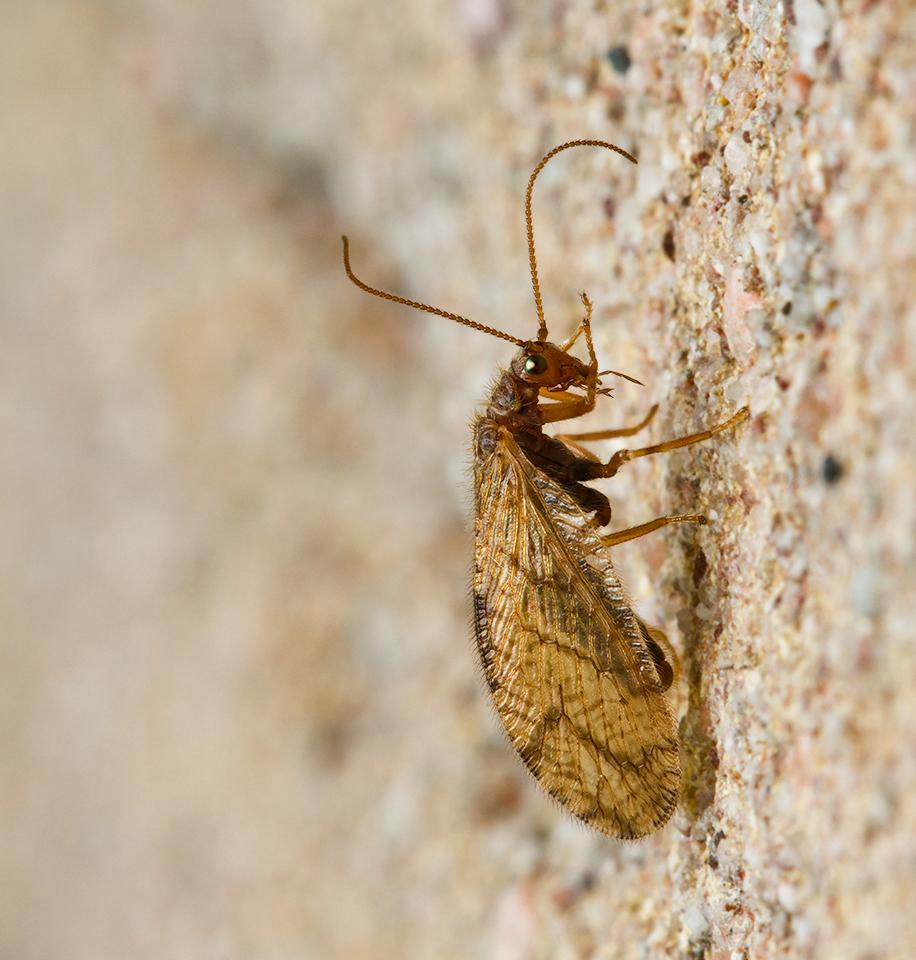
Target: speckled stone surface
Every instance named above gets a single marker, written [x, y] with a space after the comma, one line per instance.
[242, 716]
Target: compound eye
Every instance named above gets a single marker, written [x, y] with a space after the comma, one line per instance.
[535, 363]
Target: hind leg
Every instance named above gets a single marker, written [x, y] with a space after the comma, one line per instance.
[632, 533]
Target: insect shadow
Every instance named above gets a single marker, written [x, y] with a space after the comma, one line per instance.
[578, 679]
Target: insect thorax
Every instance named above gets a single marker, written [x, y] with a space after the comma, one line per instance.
[513, 405]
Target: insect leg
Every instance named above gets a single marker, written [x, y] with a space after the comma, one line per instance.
[631, 533]
[586, 325]
[623, 456]
[559, 394]
[567, 345]
[583, 327]
[607, 434]
[567, 409]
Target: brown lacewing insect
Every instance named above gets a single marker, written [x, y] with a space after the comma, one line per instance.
[577, 678]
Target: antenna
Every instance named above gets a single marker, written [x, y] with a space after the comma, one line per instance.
[421, 306]
[542, 323]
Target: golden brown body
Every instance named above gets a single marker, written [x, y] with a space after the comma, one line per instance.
[568, 663]
[577, 678]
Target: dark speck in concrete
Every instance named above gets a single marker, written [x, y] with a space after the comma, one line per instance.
[619, 58]
[831, 470]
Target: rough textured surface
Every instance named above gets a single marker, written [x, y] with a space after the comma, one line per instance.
[241, 714]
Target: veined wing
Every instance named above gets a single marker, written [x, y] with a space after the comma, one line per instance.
[563, 652]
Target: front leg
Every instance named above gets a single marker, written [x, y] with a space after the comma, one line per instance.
[577, 406]
[567, 409]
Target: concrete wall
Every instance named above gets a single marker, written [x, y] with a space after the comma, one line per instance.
[241, 711]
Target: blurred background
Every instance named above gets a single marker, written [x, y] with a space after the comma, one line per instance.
[241, 710]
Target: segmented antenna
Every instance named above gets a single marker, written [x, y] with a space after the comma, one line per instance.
[421, 306]
[542, 323]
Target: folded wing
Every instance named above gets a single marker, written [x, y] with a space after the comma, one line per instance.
[567, 664]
